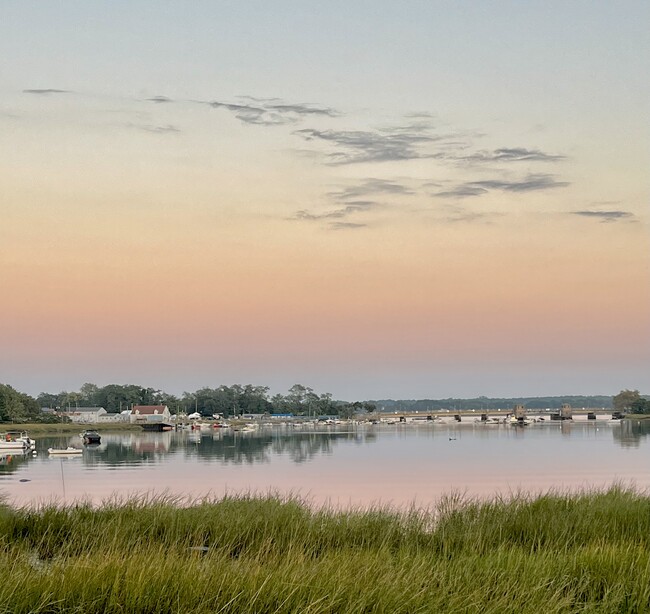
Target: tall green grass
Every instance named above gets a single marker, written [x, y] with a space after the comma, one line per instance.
[586, 552]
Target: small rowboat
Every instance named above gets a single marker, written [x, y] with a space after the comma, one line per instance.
[68, 451]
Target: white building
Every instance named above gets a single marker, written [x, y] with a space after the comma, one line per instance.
[113, 418]
[84, 415]
[150, 413]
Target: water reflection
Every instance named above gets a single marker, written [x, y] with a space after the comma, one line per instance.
[223, 446]
[11, 461]
[632, 432]
[229, 447]
[238, 448]
[398, 462]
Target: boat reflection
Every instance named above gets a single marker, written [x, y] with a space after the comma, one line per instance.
[221, 445]
[11, 460]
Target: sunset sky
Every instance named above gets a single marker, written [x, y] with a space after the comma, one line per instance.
[375, 199]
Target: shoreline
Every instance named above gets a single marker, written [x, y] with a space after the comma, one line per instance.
[67, 427]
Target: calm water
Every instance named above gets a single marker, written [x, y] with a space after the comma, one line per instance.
[351, 465]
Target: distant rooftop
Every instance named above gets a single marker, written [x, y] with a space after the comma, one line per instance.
[149, 409]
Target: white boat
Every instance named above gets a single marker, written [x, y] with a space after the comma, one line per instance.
[68, 451]
[493, 420]
[16, 440]
[517, 422]
[12, 445]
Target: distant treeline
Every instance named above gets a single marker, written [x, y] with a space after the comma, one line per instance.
[236, 400]
[228, 401]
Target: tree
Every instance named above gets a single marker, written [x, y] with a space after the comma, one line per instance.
[18, 407]
[280, 405]
[640, 406]
[325, 404]
[624, 399]
[89, 393]
[254, 399]
[46, 399]
[345, 410]
[297, 396]
[171, 400]
[116, 397]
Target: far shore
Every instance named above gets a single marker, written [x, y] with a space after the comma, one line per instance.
[68, 427]
[74, 427]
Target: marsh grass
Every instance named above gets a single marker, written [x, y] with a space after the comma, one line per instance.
[556, 552]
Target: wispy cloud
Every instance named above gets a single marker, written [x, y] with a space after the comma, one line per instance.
[368, 187]
[302, 109]
[531, 183]
[361, 205]
[46, 92]
[462, 191]
[455, 214]
[271, 112]
[419, 115]
[160, 99]
[605, 216]
[350, 200]
[346, 225]
[162, 129]
[353, 207]
[380, 145]
[512, 154]
[304, 214]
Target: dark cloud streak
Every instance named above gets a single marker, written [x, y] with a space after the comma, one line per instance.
[155, 129]
[532, 183]
[46, 92]
[350, 200]
[360, 206]
[160, 99]
[370, 186]
[512, 154]
[605, 216]
[457, 214]
[385, 145]
[346, 225]
[271, 112]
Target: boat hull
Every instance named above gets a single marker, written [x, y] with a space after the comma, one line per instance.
[64, 452]
[13, 445]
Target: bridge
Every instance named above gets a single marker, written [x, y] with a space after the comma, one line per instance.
[564, 413]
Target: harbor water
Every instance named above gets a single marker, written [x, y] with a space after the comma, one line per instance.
[349, 465]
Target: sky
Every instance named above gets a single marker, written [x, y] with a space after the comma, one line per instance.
[375, 199]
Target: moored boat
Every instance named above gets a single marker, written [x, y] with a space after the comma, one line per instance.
[65, 451]
[90, 437]
[514, 421]
[12, 445]
[16, 440]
